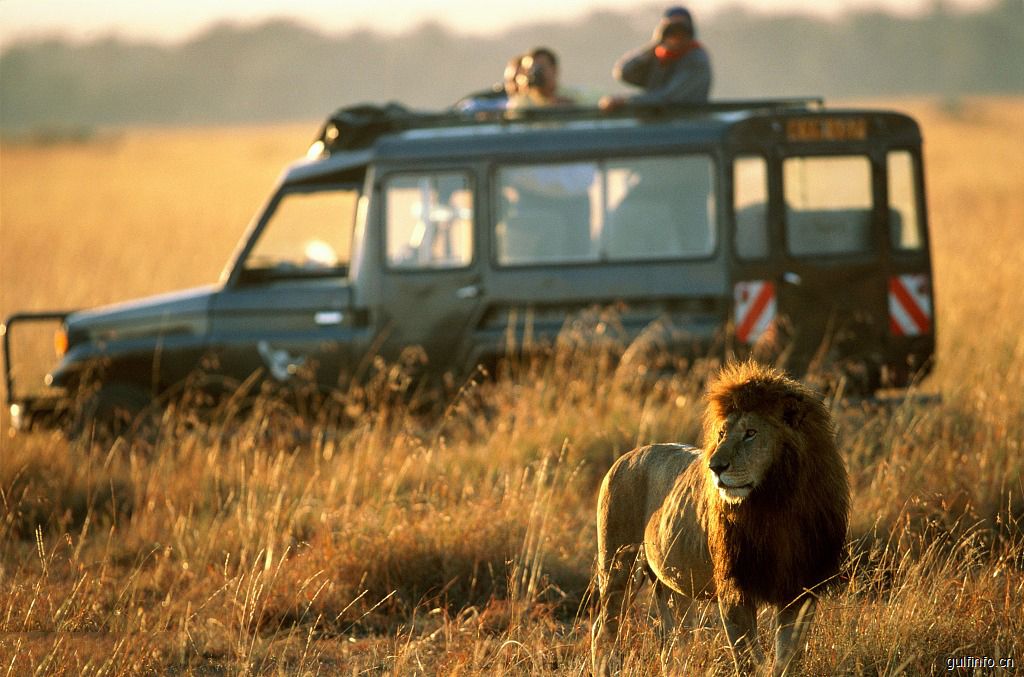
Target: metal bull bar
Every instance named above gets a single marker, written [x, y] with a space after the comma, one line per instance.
[5, 332]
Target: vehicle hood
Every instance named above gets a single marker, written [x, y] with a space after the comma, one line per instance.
[177, 313]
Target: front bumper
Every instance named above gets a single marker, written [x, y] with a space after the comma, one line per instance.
[38, 413]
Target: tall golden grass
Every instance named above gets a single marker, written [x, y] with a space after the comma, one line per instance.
[465, 545]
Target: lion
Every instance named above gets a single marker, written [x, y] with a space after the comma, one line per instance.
[758, 517]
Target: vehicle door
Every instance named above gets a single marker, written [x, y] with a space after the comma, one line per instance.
[635, 234]
[812, 257]
[286, 308]
[910, 342]
[430, 274]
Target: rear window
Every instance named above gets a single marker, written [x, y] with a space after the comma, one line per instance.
[904, 223]
[750, 206]
[612, 210]
[828, 204]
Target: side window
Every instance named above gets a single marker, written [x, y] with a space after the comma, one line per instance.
[548, 213]
[828, 204]
[429, 221]
[750, 205]
[623, 209]
[904, 225]
[660, 208]
[309, 233]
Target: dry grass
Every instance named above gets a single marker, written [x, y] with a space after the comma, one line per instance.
[465, 546]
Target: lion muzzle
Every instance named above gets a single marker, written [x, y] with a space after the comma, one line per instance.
[733, 486]
[732, 490]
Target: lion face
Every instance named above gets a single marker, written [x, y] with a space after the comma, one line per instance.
[746, 449]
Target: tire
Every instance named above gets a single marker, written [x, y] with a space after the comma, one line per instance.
[112, 411]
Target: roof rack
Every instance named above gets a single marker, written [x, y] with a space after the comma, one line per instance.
[359, 126]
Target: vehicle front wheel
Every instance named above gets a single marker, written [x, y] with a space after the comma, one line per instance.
[112, 411]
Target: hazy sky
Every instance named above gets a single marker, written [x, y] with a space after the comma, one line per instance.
[174, 20]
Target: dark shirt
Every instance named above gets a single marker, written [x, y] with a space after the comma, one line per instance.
[686, 79]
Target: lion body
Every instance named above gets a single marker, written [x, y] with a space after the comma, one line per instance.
[758, 516]
[649, 497]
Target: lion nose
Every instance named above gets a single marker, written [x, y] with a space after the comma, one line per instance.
[718, 467]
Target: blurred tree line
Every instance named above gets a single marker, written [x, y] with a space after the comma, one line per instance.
[286, 71]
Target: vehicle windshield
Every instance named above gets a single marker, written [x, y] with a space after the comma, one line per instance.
[612, 210]
[309, 233]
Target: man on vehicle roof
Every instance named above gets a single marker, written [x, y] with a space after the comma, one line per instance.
[537, 81]
[673, 68]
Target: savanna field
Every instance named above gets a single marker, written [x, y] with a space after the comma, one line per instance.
[382, 541]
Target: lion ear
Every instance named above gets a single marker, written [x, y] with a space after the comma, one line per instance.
[794, 411]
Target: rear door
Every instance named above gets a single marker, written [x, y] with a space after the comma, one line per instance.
[811, 258]
[833, 286]
[911, 335]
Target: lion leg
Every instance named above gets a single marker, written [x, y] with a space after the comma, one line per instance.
[669, 604]
[740, 622]
[793, 623]
[619, 579]
[673, 609]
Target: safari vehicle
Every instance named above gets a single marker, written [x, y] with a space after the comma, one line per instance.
[712, 228]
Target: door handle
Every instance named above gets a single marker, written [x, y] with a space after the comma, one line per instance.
[328, 317]
[468, 292]
[792, 278]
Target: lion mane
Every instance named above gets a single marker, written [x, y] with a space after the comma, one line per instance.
[790, 536]
[667, 511]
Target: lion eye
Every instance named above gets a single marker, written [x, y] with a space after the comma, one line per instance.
[721, 434]
[750, 434]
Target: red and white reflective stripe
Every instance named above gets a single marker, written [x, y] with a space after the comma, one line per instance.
[755, 305]
[910, 305]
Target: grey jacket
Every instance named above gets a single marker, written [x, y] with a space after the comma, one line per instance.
[685, 80]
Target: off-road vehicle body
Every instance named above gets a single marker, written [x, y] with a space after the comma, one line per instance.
[713, 228]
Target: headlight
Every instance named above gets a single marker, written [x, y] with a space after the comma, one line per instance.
[316, 151]
[60, 341]
[17, 422]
